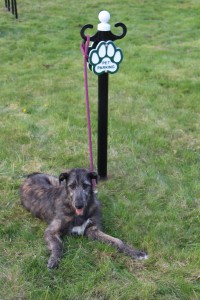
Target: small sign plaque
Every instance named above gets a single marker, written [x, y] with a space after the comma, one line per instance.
[105, 58]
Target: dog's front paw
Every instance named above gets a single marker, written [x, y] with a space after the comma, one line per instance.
[139, 255]
[52, 262]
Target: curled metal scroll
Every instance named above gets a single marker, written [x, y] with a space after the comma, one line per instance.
[124, 28]
[103, 35]
[83, 29]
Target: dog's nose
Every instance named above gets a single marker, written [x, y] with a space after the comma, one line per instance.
[79, 206]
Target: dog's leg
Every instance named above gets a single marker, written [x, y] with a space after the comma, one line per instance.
[96, 234]
[54, 243]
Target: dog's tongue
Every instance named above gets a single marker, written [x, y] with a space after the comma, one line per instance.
[79, 211]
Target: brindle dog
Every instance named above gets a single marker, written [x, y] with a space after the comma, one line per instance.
[68, 208]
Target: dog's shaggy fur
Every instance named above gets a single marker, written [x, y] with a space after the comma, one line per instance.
[68, 208]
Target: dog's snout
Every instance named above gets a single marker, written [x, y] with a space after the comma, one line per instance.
[79, 206]
[79, 199]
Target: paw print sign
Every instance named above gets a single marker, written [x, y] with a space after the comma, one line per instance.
[105, 58]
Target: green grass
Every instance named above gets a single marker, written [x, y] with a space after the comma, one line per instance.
[151, 199]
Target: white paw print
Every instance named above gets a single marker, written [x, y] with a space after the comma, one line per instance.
[105, 58]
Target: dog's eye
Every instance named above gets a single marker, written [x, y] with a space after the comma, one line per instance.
[86, 185]
[72, 186]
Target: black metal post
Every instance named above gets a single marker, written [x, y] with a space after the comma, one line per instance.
[12, 7]
[8, 5]
[15, 9]
[102, 125]
[105, 35]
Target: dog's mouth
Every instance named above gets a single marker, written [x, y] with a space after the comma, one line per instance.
[79, 211]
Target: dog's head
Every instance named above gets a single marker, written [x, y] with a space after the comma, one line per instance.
[79, 187]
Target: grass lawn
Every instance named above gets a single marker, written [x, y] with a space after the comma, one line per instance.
[152, 197]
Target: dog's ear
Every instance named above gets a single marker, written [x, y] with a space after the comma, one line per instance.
[93, 175]
[63, 176]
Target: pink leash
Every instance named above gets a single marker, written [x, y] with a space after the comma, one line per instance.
[84, 50]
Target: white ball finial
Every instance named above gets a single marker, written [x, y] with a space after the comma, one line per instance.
[104, 18]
